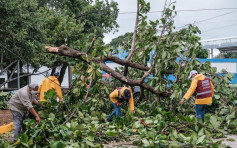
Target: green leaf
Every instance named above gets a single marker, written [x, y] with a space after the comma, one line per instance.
[137, 124]
[145, 142]
[113, 134]
[196, 62]
[31, 142]
[215, 123]
[175, 144]
[89, 69]
[51, 116]
[90, 138]
[173, 7]
[84, 57]
[217, 96]
[80, 114]
[231, 116]
[90, 143]
[24, 138]
[140, 54]
[230, 139]
[36, 132]
[59, 144]
[214, 69]
[75, 90]
[164, 53]
[153, 82]
[201, 132]
[175, 133]
[201, 139]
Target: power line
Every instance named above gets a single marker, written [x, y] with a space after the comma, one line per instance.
[210, 18]
[184, 10]
[216, 16]
[220, 28]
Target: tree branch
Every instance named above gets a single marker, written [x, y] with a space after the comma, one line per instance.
[92, 44]
[134, 34]
[88, 89]
[64, 50]
[73, 112]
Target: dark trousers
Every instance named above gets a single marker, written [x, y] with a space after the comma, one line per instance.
[18, 123]
[200, 111]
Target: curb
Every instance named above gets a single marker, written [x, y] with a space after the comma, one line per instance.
[6, 128]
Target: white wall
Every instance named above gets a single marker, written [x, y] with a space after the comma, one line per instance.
[39, 78]
[113, 65]
[229, 67]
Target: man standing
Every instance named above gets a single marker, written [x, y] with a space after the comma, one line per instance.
[204, 93]
[20, 104]
[50, 83]
[118, 96]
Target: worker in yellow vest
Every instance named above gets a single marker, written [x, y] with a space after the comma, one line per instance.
[204, 89]
[118, 96]
[50, 83]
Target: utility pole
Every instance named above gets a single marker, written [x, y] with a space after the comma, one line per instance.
[18, 75]
[212, 53]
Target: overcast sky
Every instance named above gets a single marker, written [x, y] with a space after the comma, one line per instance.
[214, 24]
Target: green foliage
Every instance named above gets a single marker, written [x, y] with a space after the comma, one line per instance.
[4, 97]
[21, 30]
[27, 26]
[230, 55]
[202, 53]
[90, 129]
[122, 41]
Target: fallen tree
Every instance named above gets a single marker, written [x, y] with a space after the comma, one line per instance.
[167, 47]
[157, 122]
[157, 49]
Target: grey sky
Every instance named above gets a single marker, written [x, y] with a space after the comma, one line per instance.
[219, 27]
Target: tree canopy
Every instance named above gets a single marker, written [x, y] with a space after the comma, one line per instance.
[27, 26]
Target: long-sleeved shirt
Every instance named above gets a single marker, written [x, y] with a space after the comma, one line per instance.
[115, 94]
[50, 83]
[193, 87]
[21, 101]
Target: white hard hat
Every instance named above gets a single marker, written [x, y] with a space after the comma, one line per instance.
[191, 73]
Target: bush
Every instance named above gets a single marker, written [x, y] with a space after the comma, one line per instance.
[4, 97]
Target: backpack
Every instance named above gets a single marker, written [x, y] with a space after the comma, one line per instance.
[120, 98]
